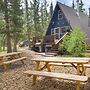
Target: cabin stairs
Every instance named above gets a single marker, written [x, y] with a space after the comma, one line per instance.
[55, 46]
[54, 49]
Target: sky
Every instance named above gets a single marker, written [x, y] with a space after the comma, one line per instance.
[69, 3]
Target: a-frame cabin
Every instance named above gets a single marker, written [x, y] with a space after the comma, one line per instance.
[63, 21]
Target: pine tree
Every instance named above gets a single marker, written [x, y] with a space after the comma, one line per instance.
[27, 22]
[44, 16]
[36, 17]
[6, 17]
[51, 9]
[16, 20]
[1, 5]
[81, 9]
[73, 5]
[2, 25]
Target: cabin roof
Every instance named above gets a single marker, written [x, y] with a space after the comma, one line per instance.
[75, 20]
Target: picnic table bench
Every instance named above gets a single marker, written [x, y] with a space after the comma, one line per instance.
[8, 58]
[69, 65]
[79, 77]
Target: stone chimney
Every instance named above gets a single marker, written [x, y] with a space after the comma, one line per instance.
[78, 7]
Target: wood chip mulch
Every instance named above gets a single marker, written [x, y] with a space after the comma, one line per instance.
[14, 79]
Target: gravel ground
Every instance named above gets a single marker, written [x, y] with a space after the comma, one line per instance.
[14, 79]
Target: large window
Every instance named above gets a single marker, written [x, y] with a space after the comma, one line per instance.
[56, 32]
[60, 14]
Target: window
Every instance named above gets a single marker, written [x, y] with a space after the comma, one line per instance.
[52, 31]
[64, 30]
[57, 30]
[60, 14]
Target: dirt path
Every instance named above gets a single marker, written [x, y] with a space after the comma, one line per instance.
[14, 79]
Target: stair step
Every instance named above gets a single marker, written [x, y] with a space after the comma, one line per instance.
[53, 51]
[87, 51]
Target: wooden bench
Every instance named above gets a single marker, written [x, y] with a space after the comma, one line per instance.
[67, 65]
[59, 76]
[11, 61]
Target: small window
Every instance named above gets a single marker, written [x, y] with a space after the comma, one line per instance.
[57, 30]
[52, 31]
[60, 14]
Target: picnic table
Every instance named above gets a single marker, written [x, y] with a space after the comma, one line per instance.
[8, 58]
[77, 63]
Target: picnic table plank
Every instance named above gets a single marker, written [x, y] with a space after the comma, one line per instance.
[77, 63]
[18, 59]
[9, 54]
[58, 75]
[72, 77]
[62, 60]
[67, 65]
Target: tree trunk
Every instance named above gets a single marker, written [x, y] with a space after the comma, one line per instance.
[7, 28]
[0, 44]
[3, 42]
[15, 42]
[28, 31]
[8, 43]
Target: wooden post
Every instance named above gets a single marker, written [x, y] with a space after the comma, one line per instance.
[5, 66]
[84, 73]
[83, 70]
[78, 69]
[34, 76]
[40, 49]
[48, 67]
[77, 82]
[78, 85]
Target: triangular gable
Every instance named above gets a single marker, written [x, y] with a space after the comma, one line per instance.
[70, 18]
[81, 21]
[54, 23]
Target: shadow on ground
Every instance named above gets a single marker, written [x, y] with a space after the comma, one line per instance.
[44, 83]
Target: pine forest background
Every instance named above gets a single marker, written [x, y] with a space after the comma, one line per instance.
[22, 20]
